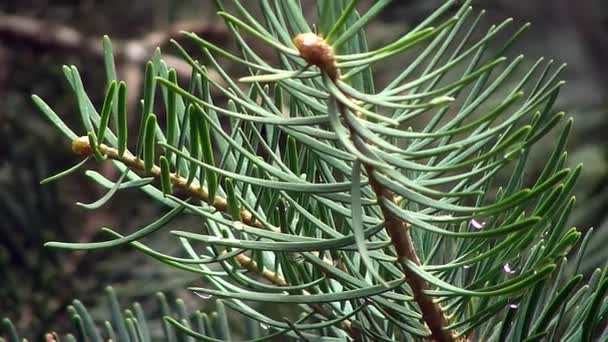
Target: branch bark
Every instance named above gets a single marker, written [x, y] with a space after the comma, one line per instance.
[398, 230]
[432, 314]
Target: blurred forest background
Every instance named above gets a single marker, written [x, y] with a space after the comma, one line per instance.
[38, 36]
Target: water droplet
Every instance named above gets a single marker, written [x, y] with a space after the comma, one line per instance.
[507, 268]
[466, 266]
[513, 306]
[477, 225]
[203, 295]
[264, 326]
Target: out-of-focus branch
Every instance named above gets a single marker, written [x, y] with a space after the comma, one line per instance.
[592, 33]
[132, 51]
[130, 54]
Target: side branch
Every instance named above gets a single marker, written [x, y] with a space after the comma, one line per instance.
[82, 146]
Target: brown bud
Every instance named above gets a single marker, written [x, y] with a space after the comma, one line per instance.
[315, 51]
[81, 146]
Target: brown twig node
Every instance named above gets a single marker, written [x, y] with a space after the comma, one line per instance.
[315, 51]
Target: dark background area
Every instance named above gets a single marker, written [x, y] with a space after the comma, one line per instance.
[37, 37]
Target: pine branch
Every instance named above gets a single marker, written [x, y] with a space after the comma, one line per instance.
[131, 52]
[316, 51]
[135, 51]
[337, 125]
[81, 146]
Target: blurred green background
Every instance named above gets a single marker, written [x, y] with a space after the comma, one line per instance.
[37, 37]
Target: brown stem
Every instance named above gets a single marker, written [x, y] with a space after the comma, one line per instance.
[432, 314]
[252, 266]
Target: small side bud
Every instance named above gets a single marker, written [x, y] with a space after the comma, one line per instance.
[81, 146]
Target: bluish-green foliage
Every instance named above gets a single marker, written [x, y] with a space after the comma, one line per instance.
[300, 178]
